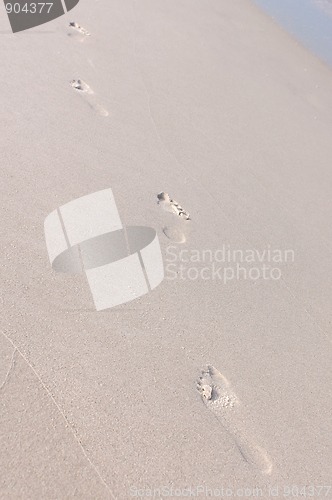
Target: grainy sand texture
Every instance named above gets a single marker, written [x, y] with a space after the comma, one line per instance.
[215, 379]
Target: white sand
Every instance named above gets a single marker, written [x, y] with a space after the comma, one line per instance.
[213, 103]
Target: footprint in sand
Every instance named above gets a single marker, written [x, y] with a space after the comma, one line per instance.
[76, 29]
[83, 88]
[174, 233]
[177, 231]
[219, 398]
[172, 206]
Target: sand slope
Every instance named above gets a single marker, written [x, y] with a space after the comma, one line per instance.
[215, 104]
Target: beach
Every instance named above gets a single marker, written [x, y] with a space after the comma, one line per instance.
[200, 383]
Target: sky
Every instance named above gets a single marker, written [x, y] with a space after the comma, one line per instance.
[310, 21]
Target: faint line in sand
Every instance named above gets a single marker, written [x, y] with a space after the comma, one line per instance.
[68, 425]
[11, 367]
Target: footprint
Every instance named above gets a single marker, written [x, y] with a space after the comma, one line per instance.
[178, 230]
[165, 201]
[174, 234]
[219, 398]
[83, 88]
[78, 29]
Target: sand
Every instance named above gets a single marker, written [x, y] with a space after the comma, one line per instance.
[200, 382]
